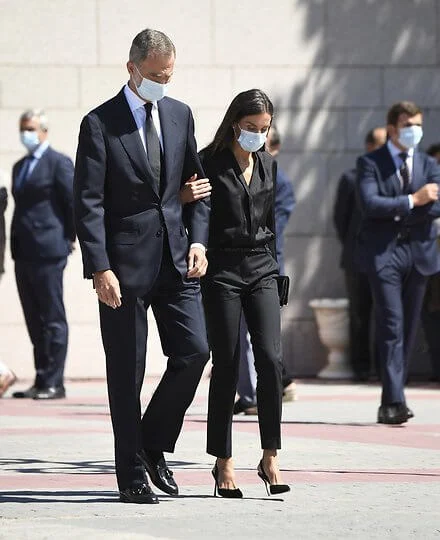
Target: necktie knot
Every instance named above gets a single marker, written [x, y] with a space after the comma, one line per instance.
[403, 156]
[148, 106]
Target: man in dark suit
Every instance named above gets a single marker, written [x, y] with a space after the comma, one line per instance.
[347, 218]
[142, 249]
[398, 189]
[42, 235]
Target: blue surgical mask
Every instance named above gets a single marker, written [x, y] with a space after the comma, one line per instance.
[151, 90]
[29, 139]
[250, 141]
[410, 136]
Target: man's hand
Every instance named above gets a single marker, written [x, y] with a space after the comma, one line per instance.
[107, 288]
[194, 190]
[428, 193]
[197, 263]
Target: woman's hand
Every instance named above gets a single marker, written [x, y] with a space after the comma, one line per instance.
[194, 190]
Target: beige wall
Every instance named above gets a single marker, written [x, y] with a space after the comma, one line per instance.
[332, 67]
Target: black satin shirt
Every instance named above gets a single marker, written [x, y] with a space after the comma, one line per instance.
[242, 216]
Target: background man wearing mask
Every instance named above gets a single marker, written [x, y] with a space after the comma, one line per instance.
[398, 188]
[347, 218]
[42, 235]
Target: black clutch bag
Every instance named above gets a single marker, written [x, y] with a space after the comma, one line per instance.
[283, 283]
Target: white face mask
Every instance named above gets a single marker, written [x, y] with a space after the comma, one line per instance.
[250, 141]
[151, 90]
[29, 139]
[410, 136]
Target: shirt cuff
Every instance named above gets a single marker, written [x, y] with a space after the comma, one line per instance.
[411, 202]
[197, 245]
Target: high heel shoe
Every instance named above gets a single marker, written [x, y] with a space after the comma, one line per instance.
[223, 492]
[272, 489]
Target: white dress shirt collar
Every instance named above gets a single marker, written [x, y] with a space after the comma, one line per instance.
[134, 101]
[394, 151]
[39, 151]
[139, 114]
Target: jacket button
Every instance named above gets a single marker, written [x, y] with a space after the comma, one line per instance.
[159, 233]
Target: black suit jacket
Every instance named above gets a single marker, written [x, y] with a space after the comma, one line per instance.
[386, 212]
[120, 217]
[347, 218]
[42, 224]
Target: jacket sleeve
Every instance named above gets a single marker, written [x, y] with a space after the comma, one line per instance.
[373, 205]
[270, 221]
[431, 210]
[89, 185]
[344, 205]
[195, 214]
[284, 201]
[64, 190]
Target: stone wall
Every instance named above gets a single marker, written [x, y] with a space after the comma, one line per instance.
[332, 68]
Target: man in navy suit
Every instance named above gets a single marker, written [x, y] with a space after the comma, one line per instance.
[142, 249]
[347, 218]
[398, 189]
[42, 236]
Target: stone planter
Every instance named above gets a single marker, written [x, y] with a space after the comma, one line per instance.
[333, 327]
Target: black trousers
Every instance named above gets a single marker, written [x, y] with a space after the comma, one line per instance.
[360, 309]
[398, 291]
[178, 310]
[40, 288]
[237, 281]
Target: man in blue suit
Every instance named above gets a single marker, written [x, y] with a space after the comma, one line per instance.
[42, 235]
[398, 187]
[142, 249]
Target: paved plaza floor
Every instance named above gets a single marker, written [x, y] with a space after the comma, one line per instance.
[350, 477]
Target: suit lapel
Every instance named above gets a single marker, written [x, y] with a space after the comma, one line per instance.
[389, 171]
[129, 136]
[36, 168]
[168, 125]
[16, 173]
[416, 176]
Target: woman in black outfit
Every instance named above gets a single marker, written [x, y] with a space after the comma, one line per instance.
[242, 274]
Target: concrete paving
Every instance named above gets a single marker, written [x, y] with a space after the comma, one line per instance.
[350, 477]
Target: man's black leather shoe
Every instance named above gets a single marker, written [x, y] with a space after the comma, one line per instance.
[396, 413]
[242, 404]
[53, 392]
[159, 473]
[29, 393]
[141, 494]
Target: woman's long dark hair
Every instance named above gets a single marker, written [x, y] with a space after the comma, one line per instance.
[244, 104]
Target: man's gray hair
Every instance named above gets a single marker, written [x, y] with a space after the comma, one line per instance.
[150, 42]
[36, 113]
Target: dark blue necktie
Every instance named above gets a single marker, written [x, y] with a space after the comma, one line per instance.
[404, 171]
[152, 144]
[24, 172]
